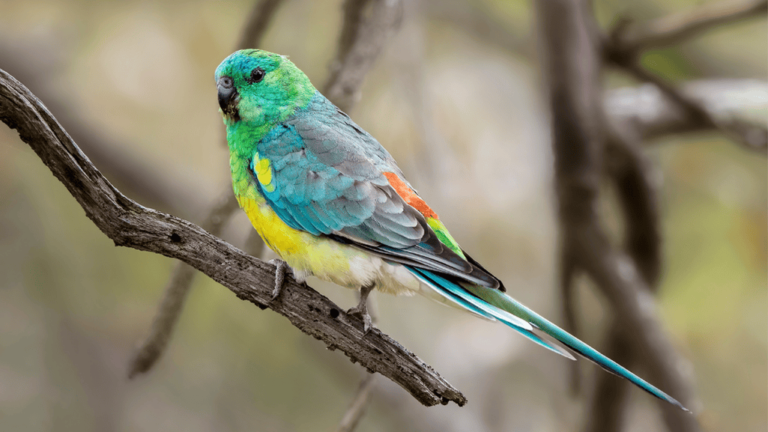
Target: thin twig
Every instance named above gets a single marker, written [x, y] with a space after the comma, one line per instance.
[750, 136]
[359, 403]
[257, 23]
[132, 225]
[343, 87]
[362, 397]
[622, 49]
[677, 27]
[183, 276]
[654, 115]
[175, 294]
[353, 11]
[478, 21]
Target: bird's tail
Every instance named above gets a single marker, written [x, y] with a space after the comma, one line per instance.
[495, 305]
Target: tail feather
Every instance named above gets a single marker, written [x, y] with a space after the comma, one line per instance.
[511, 305]
[494, 304]
[459, 296]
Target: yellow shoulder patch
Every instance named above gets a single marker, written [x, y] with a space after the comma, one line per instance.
[263, 171]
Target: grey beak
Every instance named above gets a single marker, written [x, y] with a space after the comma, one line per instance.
[227, 92]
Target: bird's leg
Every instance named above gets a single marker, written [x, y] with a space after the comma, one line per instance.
[361, 310]
[280, 267]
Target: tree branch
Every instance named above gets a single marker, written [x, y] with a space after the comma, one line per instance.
[618, 279]
[183, 276]
[354, 61]
[677, 27]
[257, 23]
[129, 224]
[572, 67]
[622, 47]
[635, 187]
[648, 110]
[175, 294]
[359, 404]
[636, 193]
[353, 18]
[362, 397]
[607, 406]
[478, 22]
[750, 136]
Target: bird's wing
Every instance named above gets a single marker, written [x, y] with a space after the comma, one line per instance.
[321, 173]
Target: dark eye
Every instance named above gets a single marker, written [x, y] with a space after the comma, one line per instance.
[257, 75]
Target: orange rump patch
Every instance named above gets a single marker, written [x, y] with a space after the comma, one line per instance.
[409, 196]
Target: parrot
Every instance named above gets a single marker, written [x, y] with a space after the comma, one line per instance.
[331, 202]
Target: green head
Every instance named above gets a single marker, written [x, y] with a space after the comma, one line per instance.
[258, 89]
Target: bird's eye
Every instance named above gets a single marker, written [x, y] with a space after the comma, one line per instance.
[257, 75]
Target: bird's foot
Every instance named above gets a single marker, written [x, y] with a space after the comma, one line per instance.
[361, 310]
[280, 268]
[363, 315]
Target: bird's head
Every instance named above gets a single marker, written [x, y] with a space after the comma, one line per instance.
[260, 88]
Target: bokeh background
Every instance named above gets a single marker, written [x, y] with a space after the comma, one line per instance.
[465, 117]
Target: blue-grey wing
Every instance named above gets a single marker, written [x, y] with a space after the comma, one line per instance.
[328, 179]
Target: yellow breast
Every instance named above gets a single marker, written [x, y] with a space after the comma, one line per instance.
[305, 253]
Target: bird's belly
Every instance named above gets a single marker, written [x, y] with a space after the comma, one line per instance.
[325, 258]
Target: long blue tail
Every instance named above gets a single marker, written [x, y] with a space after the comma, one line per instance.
[496, 305]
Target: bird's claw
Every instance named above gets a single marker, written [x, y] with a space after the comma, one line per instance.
[361, 310]
[363, 314]
[280, 267]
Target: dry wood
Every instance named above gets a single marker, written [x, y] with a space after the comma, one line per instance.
[130, 224]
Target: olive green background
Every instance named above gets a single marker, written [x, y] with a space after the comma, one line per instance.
[467, 122]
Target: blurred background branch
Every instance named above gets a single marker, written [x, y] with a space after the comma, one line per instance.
[675, 28]
[572, 66]
[175, 293]
[654, 115]
[183, 276]
[360, 42]
[362, 397]
[624, 44]
[257, 23]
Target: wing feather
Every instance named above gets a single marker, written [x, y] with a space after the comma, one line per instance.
[330, 178]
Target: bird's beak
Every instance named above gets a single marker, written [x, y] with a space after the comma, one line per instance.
[227, 95]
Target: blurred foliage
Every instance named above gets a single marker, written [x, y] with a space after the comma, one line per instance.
[468, 125]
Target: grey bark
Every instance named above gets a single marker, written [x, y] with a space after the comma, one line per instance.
[130, 224]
